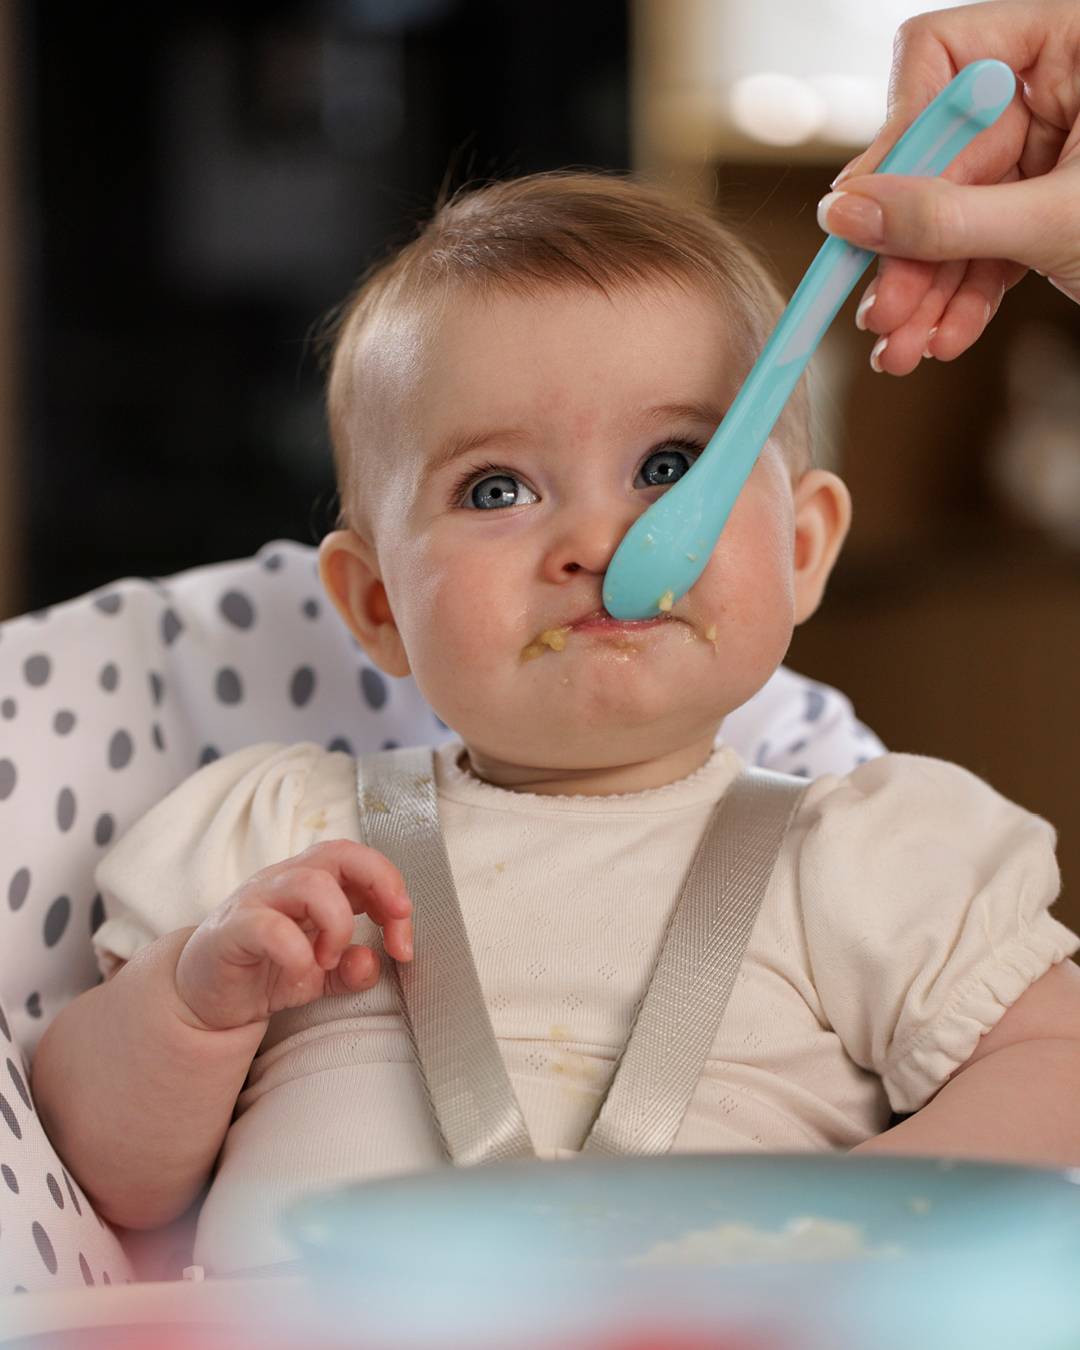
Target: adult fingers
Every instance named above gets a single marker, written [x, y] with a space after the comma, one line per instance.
[1030, 222]
[902, 347]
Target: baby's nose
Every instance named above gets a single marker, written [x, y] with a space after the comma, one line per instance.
[586, 543]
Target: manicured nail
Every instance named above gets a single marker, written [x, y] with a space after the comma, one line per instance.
[875, 355]
[853, 217]
[866, 304]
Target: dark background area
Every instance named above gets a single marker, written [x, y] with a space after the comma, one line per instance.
[204, 183]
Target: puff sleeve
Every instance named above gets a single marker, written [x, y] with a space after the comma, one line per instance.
[234, 817]
[925, 897]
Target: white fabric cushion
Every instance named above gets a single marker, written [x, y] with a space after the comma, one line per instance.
[50, 1237]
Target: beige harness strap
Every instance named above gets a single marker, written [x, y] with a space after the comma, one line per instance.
[470, 1092]
[695, 973]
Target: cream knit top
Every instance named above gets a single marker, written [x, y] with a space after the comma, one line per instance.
[907, 912]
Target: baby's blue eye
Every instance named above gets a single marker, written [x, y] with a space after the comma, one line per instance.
[498, 490]
[662, 469]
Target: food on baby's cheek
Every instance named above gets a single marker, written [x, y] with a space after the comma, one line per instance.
[710, 633]
[666, 601]
[555, 638]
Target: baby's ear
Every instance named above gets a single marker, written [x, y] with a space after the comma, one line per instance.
[349, 569]
[822, 517]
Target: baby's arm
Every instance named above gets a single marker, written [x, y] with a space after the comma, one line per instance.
[136, 1080]
[1017, 1098]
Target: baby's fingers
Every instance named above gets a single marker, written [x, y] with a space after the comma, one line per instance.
[375, 888]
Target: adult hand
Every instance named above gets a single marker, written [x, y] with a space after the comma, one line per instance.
[1011, 201]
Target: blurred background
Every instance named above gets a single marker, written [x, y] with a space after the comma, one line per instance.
[186, 189]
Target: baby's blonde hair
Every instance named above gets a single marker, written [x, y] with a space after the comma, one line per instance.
[559, 231]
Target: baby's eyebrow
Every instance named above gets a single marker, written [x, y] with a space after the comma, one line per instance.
[464, 443]
[712, 414]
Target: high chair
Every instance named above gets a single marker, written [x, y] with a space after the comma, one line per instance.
[106, 703]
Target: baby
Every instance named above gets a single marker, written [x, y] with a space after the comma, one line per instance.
[508, 394]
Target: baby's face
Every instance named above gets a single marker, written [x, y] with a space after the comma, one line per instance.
[536, 432]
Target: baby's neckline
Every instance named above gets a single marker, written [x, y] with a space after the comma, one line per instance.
[455, 779]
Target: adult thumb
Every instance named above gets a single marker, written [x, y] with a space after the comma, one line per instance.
[1033, 222]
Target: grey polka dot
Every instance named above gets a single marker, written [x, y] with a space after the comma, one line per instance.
[10, 1117]
[4, 1026]
[40, 614]
[109, 603]
[157, 688]
[19, 888]
[440, 723]
[273, 562]
[109, 678]
[84, 1266]
[815, 705]
[63, 722]
[97, 914]
[796, 747]
[20, 1087]
[8, 708]
[33, 1004]
[389, 745]
[7, 778]
[157, 736]
[57, 920]
[340, 743]
[103, 829]
[311, 608]
[227, 685]
[71, 1193]
[237, 609]
[45, 1247]
[121, 749]
[209, 754]
[373, 687]
[37, 669]
[302, 685]
[10, 1178]
[65, 809]
[54, 1190]
[171, 627]
[802, 772]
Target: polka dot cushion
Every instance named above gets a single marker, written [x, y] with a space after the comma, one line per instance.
[108, 701]
[50, 1237]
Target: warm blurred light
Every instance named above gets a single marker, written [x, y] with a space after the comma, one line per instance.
[722, 76]
[777, 109]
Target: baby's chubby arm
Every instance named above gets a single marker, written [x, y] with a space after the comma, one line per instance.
[136, 1080]
[1017, 1098]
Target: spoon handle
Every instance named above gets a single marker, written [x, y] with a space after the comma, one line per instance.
[668, 547]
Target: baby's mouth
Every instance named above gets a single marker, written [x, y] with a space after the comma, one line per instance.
[597, 622]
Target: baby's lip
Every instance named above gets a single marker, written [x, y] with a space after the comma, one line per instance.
[599, 620]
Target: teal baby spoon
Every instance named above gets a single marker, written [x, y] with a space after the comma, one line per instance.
[666, 549]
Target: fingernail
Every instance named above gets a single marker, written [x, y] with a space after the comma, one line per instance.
[866, 304]
[875, 355]
[853, 217]
[927, 354]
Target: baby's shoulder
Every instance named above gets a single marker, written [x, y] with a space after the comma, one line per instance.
[920, 820]
[235, 816]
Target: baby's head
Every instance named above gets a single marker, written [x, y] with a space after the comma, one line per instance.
[507, 395]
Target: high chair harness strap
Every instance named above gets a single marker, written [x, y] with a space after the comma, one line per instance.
[470, 1092]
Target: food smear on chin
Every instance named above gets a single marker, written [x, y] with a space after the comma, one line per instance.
[555, 638]
[666, 601]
